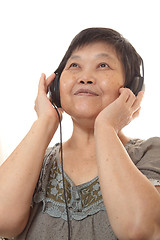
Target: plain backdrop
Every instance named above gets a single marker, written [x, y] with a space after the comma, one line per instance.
[36, 34]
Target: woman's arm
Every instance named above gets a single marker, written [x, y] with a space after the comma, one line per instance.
[132, 202]
[20, 172]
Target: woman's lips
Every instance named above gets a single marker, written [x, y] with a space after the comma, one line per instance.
[85, 92]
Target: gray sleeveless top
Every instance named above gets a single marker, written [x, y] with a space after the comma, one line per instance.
[89, 219]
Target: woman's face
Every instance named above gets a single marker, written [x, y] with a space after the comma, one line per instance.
[91, 80]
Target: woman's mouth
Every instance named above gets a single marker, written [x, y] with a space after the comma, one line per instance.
[85, 92]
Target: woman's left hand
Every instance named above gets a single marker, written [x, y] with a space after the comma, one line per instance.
[122, 111]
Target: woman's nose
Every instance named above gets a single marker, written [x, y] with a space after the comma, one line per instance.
[86, 79]
[86, 82]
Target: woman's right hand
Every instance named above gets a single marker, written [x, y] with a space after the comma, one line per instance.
[43, 106]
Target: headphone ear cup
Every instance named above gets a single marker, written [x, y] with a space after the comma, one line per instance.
[137, 85]
[54, 91]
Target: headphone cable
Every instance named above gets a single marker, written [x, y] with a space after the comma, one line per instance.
[64, 190]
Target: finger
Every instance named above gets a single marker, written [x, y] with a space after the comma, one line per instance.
[50, 79]
[138, 101]
[136, 114]
[124, 94]
[132, 98]
[41, 85]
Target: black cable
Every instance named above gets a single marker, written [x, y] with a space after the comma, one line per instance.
[64, 190]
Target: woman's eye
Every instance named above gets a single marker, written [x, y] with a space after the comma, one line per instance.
[103, 65]
[74, 65]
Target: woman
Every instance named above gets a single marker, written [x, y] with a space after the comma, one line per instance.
[111, 181]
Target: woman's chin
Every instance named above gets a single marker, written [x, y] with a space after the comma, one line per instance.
[84, 112]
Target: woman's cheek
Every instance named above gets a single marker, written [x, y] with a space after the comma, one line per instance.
[110, 90]
[66, 91]
[66, 80]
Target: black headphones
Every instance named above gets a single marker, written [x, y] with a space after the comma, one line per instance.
[54, 90]
[137, 84]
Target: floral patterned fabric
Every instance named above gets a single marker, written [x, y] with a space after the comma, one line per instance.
[83, 200]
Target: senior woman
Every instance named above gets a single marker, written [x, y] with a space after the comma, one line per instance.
[111, 181]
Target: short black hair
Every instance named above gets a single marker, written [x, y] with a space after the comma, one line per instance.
[127, 54]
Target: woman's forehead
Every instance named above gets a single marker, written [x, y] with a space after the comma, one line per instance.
[99, 49]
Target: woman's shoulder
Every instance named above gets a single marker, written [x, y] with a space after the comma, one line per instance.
[153, 141]
[138, 148]
[138, 143]
[50, 158]
[146, 156]
[48, 163]
[51, 150]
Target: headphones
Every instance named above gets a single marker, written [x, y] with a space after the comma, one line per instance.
[136, 86]
[54, 91]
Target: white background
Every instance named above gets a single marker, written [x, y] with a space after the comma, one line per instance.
[34, 36]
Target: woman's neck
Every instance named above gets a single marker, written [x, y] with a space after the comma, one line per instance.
[83, 136]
